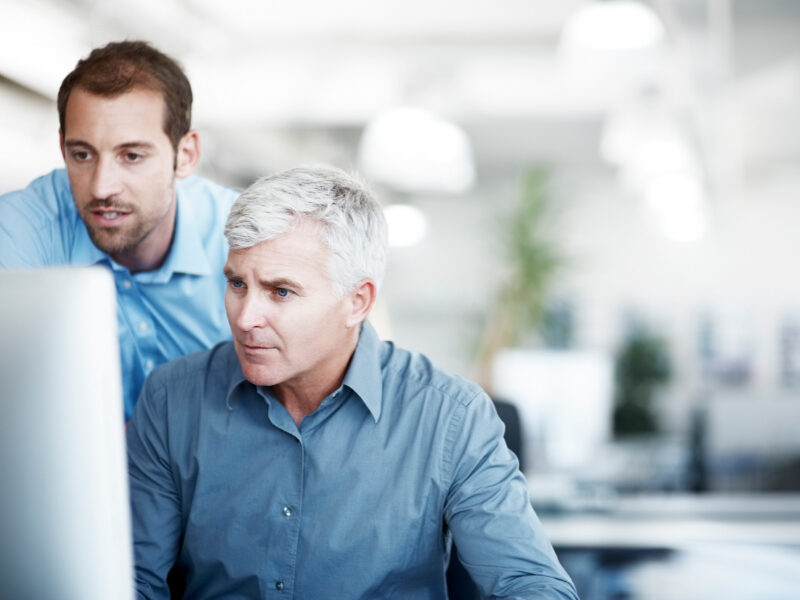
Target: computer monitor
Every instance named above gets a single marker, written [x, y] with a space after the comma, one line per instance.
[64, 511]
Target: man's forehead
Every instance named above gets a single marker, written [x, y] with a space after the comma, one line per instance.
[144, 91]
[289, 256]
[271, 252]
[135, 105]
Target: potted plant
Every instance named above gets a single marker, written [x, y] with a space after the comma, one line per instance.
[532, 259]
[641, 367]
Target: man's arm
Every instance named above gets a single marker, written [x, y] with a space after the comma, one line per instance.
[499, 538]
[155, 500]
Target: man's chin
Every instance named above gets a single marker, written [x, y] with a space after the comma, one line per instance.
[259, 377]
[258, 373]
[111, 244]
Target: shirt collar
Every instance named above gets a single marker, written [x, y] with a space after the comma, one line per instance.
[363, 376]
[237, 377]
[364, 373]
[186, 254]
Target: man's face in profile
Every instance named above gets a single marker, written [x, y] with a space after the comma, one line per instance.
[120, 164]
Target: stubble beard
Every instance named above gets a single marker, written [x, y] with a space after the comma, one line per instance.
[116, 240]
[125, 238]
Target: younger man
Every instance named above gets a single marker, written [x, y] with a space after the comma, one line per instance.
[126, 201]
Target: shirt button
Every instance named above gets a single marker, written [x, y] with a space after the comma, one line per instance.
[149, 364]
[287, 512]
[279, 585]
[143, 326]
[127, 284]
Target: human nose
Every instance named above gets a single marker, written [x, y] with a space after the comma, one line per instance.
[105, 180]
[251, 313]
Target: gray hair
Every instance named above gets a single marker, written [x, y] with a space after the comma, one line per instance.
[353, 226]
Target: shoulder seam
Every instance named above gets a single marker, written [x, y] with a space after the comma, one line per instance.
[472, 390]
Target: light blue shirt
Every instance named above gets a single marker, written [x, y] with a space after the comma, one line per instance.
[162, 314]
[359, 501]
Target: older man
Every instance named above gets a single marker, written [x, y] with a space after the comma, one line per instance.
[309, 459]
[128, 200]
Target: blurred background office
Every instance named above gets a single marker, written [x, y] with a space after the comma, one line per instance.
[593, 211]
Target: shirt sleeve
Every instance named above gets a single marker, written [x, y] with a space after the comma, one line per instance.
[498, 536]
[26, 230]
[155, 500]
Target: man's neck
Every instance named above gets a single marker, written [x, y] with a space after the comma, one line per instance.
[303, 396]
[137, 263]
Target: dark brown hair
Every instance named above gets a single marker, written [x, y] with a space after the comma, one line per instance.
[119, 67]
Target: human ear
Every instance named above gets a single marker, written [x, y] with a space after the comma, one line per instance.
[362, 299]
[188, 154]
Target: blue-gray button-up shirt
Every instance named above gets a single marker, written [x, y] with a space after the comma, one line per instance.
[358, 501]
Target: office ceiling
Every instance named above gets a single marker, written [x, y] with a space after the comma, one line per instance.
[283, 83]
[278, 83]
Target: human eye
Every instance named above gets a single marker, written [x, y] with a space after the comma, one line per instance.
[236, 284]
[283, 293]
[133, 157]
[80, 155]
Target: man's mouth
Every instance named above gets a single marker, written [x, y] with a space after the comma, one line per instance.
[109, 217]
[249, 348]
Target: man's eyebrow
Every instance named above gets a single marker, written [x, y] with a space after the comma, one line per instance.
[281, 282]
[73, 143]
[124, 146]
[135, 144]
[278, 282]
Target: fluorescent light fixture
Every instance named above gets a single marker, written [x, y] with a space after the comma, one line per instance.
[659, 157]
[684, 228]
[407, 225]
[648, 142]
[411, 150]
[613, 25]
[630, 130]
[677, 205]
[673, 193]
[659, 162]
[612, 46]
